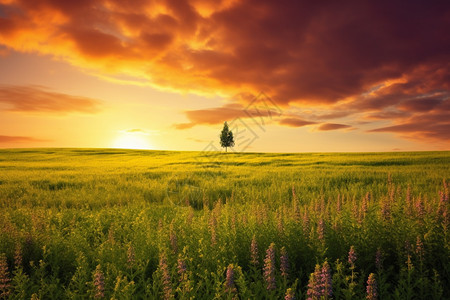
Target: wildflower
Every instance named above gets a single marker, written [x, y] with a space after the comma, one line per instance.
[233, 221]
[314, 288]
[181, 268]
[321, 230]
[420, 208]
[173, 239]
[419, 247]
[18, 256]
[99, 283]
[290, 294]
[4, 277]
[326, 288]
[284, 266]
[305, 222]
[254, 252]
[130, 256]
[365, 203]
[269, 267]
[409, 263]
[352, 257]
[445, 220]
[371, 287]
[378, 259]
[280, 226]
[165, 276]
[229, 283]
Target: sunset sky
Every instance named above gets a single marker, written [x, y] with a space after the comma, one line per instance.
[289, 76]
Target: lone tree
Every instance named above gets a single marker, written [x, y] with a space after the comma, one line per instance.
[226, 137]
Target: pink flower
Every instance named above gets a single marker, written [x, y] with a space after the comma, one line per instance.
[314, 288]
[165, 277]
[5, 286]
[269, 267]
[371, 288]
[326, 288]
[130, 256]
[284, 266]
[352, 256]
[379, 259]
[229, 283]
[254, 252]
[321, 230]
[181, 268]
[99, 283]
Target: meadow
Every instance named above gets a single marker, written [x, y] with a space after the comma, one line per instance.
[130, 224]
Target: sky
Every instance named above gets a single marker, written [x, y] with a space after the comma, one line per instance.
[288, 76]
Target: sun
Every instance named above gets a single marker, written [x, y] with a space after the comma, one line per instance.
[127, 140]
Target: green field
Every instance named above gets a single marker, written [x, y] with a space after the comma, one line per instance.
[129, 224]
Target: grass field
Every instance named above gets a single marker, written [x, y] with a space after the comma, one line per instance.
[128, 224]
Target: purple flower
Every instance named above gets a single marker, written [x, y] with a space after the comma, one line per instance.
[173, 239]
[269, 267]
[4, 278]
[99, 283]
[254, 252]
[284, 266]
[420, 208]
[229, 283]
[371, 288]
[181, 268]
[165, 277]
[321, 230]
[18, 256]
[379, 259]
[130, 256]
[326, 288]
[314, 288]
[352, 256]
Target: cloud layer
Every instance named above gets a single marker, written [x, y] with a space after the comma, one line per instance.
[384, 59]
[39, 99]
[7, 139]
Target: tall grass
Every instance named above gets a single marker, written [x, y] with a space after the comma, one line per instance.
[102, 223]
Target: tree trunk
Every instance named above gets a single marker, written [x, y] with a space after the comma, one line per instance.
[225, 149]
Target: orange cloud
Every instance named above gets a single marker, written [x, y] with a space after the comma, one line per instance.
[333, 126]
[39, 99]
[295, 122]
[6, 139]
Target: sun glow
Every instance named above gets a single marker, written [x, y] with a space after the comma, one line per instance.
[132, 141]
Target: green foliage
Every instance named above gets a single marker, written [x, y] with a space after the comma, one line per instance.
[77, 223]
[226, 137]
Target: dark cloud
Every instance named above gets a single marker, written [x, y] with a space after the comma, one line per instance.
[419, 105]
[39, 99]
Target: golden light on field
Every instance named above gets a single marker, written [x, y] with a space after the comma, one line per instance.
[132, 140]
